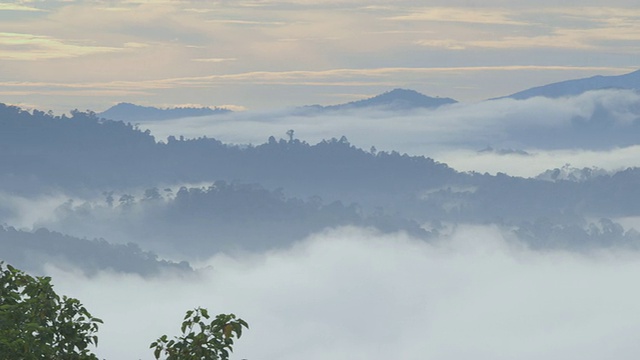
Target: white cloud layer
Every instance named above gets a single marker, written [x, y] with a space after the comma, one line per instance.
[354, 294]
[540, 161]
[451, 134]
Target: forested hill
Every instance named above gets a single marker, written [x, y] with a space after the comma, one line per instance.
[132, 112]
[88, 156]
[32, 250]
[85, 152]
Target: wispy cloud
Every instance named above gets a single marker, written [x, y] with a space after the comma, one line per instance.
[461, 15]
[358, 75]
[214, 60]
[295, 43]
[577, 39]
[17, 46]
[331, 77]
[246, 22]
[18, 7]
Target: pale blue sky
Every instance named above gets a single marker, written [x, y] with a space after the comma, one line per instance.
[266, 54]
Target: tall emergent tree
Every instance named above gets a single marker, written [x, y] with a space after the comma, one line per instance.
[36, 324]
[201, 339]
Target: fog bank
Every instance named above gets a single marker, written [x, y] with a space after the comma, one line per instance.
[588, 130]
[352, 293]
[537, 161]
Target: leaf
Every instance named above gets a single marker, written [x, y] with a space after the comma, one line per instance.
[227, 330]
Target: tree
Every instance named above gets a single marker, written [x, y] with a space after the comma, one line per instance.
[213, 341]
[35, 323]
[152, 194]
[127, 200]
[108, 198]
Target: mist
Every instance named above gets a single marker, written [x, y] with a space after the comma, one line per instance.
[588, 130]
[535, 162]
[354, 293]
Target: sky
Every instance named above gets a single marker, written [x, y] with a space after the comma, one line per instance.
[267, 54]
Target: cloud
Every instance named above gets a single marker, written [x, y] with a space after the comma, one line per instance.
[352, 293]
[247, 22]
[334, 77]
[468, 15]
[603, 14]
[25, 212]
[588, 28]
[452, 134]
[565, 38]
[326, 45]
[214, 60]
[26, 47]
[18, 7]
[539, 161]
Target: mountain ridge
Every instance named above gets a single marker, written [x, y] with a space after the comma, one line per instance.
[395, 100]
[578, 86]
[128, 112]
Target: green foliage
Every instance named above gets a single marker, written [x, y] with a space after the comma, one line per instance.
[35, 323]
[201, 339]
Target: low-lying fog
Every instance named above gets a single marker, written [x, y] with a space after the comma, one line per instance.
[595, 129]
[354, 294]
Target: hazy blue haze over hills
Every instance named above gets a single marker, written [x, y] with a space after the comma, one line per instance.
[285, 190]
[579, 86]
[219, 217]
[83, 153]
[31, 250]
[394, 100]
[133, 113]
[596, 120]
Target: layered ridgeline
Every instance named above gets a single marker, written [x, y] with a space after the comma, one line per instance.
[630, 81]
[34, 250]
[83, 153]
[131, 188]
[197, 222]
[134, 113]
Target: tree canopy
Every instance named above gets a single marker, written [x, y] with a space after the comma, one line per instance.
[201, 339]
[36, 323]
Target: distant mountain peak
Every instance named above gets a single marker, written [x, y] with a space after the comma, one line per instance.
[399, 93]
[396, 99]
[125, 111]
[630, 81]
